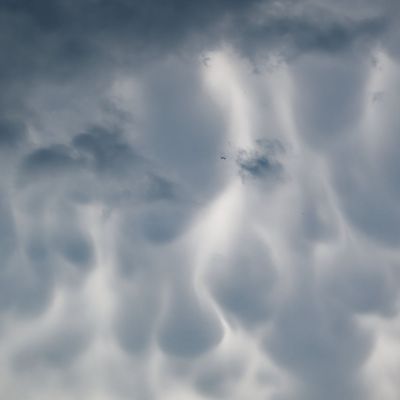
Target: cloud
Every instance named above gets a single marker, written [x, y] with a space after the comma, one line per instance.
[135, 262]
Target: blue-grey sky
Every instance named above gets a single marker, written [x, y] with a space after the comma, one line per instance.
[199, 200]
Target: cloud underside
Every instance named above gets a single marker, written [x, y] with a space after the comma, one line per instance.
[199, 200]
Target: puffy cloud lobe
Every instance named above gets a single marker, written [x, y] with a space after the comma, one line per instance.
[243, 283]
[189, 327]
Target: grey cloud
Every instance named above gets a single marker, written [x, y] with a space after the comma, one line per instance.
[106, 151]
[148, 174]
[49, 162]
[74, 38]
[74, 246]
[310, 29]
[98, 164]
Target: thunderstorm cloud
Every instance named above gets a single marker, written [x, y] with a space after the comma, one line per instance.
[199, 200]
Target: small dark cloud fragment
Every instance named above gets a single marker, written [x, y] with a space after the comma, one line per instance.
[263, 162]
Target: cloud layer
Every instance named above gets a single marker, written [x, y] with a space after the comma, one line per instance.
[199, 200]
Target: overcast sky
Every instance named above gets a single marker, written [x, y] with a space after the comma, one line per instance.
[199, 200]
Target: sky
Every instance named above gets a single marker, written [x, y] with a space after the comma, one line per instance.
[199, 200]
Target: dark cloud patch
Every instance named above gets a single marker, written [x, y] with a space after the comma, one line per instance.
[106, 151]
[74, 247]
[99, 164]
[263, 162]
[68, 39]
[294, 29]
[76, 38]
[100, 150]
[53, 161]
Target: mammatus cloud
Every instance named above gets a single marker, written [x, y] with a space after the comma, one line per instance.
[199, 200]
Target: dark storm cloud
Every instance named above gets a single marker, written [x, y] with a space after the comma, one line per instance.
[294, 29]
[76, 38]
[67, 38]
[145, 175]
